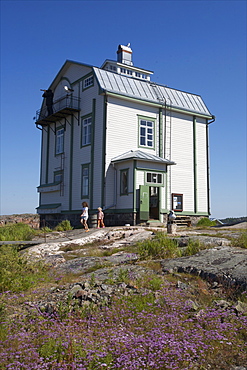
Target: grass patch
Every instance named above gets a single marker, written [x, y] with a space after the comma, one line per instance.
[193, 247]
[240, 241]
[158, 248]
[16, 273]
[64, 226]
[205, 221]
[19, 231]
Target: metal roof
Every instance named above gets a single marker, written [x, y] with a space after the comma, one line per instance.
[150, 91]
[138, 154]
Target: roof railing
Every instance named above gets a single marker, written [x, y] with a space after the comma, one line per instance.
[64, 105]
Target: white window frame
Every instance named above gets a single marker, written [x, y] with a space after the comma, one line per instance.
[86, 130]
[88, 82]
[85, 181]
[58, 176]
[146, 133]
[154, 178]
[124, 181]
[60, 141]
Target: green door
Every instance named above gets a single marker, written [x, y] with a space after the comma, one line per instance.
[144, 202]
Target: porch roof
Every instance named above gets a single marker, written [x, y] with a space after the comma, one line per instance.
[141, 156]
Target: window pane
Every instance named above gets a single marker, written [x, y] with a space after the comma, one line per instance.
[86, 131]
[60, 141]
[154, 178]
[124, 182]
[85, 181]
[142, 141]
[146, 130]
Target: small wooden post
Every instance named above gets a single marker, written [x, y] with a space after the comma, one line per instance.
[171, 228]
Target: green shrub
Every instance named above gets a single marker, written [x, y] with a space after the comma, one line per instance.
[63, 226]
[158, 248]
[192, 248]
[205, 221]
[16, 274]
[17, 231]
[240, 241]
[46, 229]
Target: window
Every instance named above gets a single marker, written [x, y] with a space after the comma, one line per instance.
[124, 182]
[86, 130]
[58, 176]
[126, 71]
[113, 68]
[177, 202]
[154, 178]
[88, 82]
[60, 141]
[85, 181]
[146, 133]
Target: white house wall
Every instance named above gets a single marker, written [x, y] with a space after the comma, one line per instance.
[182, 174]
[122, 126]
[201, 160]
[122, 134]
[98, 150]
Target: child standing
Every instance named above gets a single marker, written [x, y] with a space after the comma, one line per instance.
[84, 216]
[100, 218]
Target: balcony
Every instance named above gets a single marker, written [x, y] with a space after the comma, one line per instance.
[62, 107]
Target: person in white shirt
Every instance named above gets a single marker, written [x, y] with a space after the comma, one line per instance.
[84, 216]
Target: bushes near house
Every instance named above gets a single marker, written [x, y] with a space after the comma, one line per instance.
[159, 247]
[63, 226]
[240, 241]
[16, 273]
[205, 221]
[17, 231]
[163, 247]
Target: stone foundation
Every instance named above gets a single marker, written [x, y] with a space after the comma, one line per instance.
[111, 219]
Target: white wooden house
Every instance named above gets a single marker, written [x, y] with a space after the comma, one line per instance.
[119, 141]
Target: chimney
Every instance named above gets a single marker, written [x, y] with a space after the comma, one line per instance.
[124, 55]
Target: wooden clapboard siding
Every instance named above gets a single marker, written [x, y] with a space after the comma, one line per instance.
[202, 201]
[182, 174]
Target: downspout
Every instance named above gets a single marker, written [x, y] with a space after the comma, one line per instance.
[92, 153]
[208, 178]
[41, 163]
[71, 163]
[195, 164]
[160, 133]
[134, 193]
[47, 155]
[104, 151]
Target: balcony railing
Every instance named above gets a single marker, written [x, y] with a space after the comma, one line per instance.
[61, 108]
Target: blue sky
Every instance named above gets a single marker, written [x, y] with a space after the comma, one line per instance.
[195, 46]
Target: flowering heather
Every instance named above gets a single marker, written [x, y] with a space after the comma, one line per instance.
[152, 330]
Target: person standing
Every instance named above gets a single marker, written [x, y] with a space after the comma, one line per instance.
[84, 216]
[100, 218]
[48, 95]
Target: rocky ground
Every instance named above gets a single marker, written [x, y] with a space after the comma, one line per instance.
[85, 257]
[76, 251]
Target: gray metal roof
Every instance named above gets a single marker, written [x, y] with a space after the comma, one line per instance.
[139, 155]
[150, 91]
